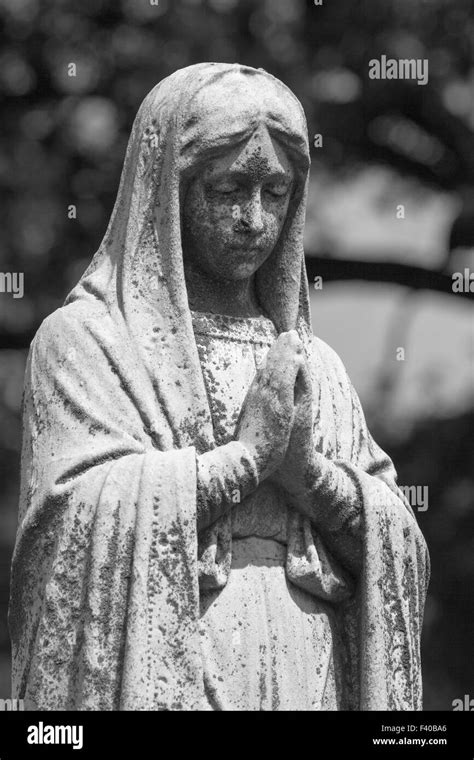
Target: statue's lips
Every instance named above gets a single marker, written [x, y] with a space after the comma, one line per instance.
[247, 249]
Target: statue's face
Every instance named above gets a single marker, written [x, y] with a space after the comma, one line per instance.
[235, 209]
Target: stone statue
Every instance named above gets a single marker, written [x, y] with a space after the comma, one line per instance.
[206, 523]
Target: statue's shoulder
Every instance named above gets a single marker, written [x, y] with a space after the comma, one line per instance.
[67, 327]
[323, 354]
[328, 372]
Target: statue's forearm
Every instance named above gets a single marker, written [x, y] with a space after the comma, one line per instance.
[330, 497]
[225, 476]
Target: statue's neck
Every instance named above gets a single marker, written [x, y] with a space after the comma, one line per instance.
[236, 298]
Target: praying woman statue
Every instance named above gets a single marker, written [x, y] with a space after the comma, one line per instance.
[205, 520]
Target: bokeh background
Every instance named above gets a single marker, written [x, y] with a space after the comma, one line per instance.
[386, 281]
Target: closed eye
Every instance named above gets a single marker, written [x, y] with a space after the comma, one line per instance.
[278, 190]
[224, 188]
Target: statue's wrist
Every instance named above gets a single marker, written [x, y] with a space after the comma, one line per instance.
[258, 458]
[246, 466]
[225, 476]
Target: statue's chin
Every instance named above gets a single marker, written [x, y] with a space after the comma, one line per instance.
[236, 274]
[244, 264]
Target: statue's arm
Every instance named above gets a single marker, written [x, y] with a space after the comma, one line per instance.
[334, 498]
[332, 492]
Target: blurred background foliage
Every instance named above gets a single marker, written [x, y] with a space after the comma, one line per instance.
[387, 281]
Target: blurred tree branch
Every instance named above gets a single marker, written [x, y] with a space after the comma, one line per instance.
[416, 278]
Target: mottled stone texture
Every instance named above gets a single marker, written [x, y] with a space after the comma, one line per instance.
[139, 581]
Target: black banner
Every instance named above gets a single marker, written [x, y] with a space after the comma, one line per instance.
[63, 734]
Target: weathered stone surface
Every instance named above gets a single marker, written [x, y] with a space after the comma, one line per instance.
[205, 521]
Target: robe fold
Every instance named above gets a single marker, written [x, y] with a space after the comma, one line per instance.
[105, 598]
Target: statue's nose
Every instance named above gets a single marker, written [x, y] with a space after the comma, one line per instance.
[253, 215]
